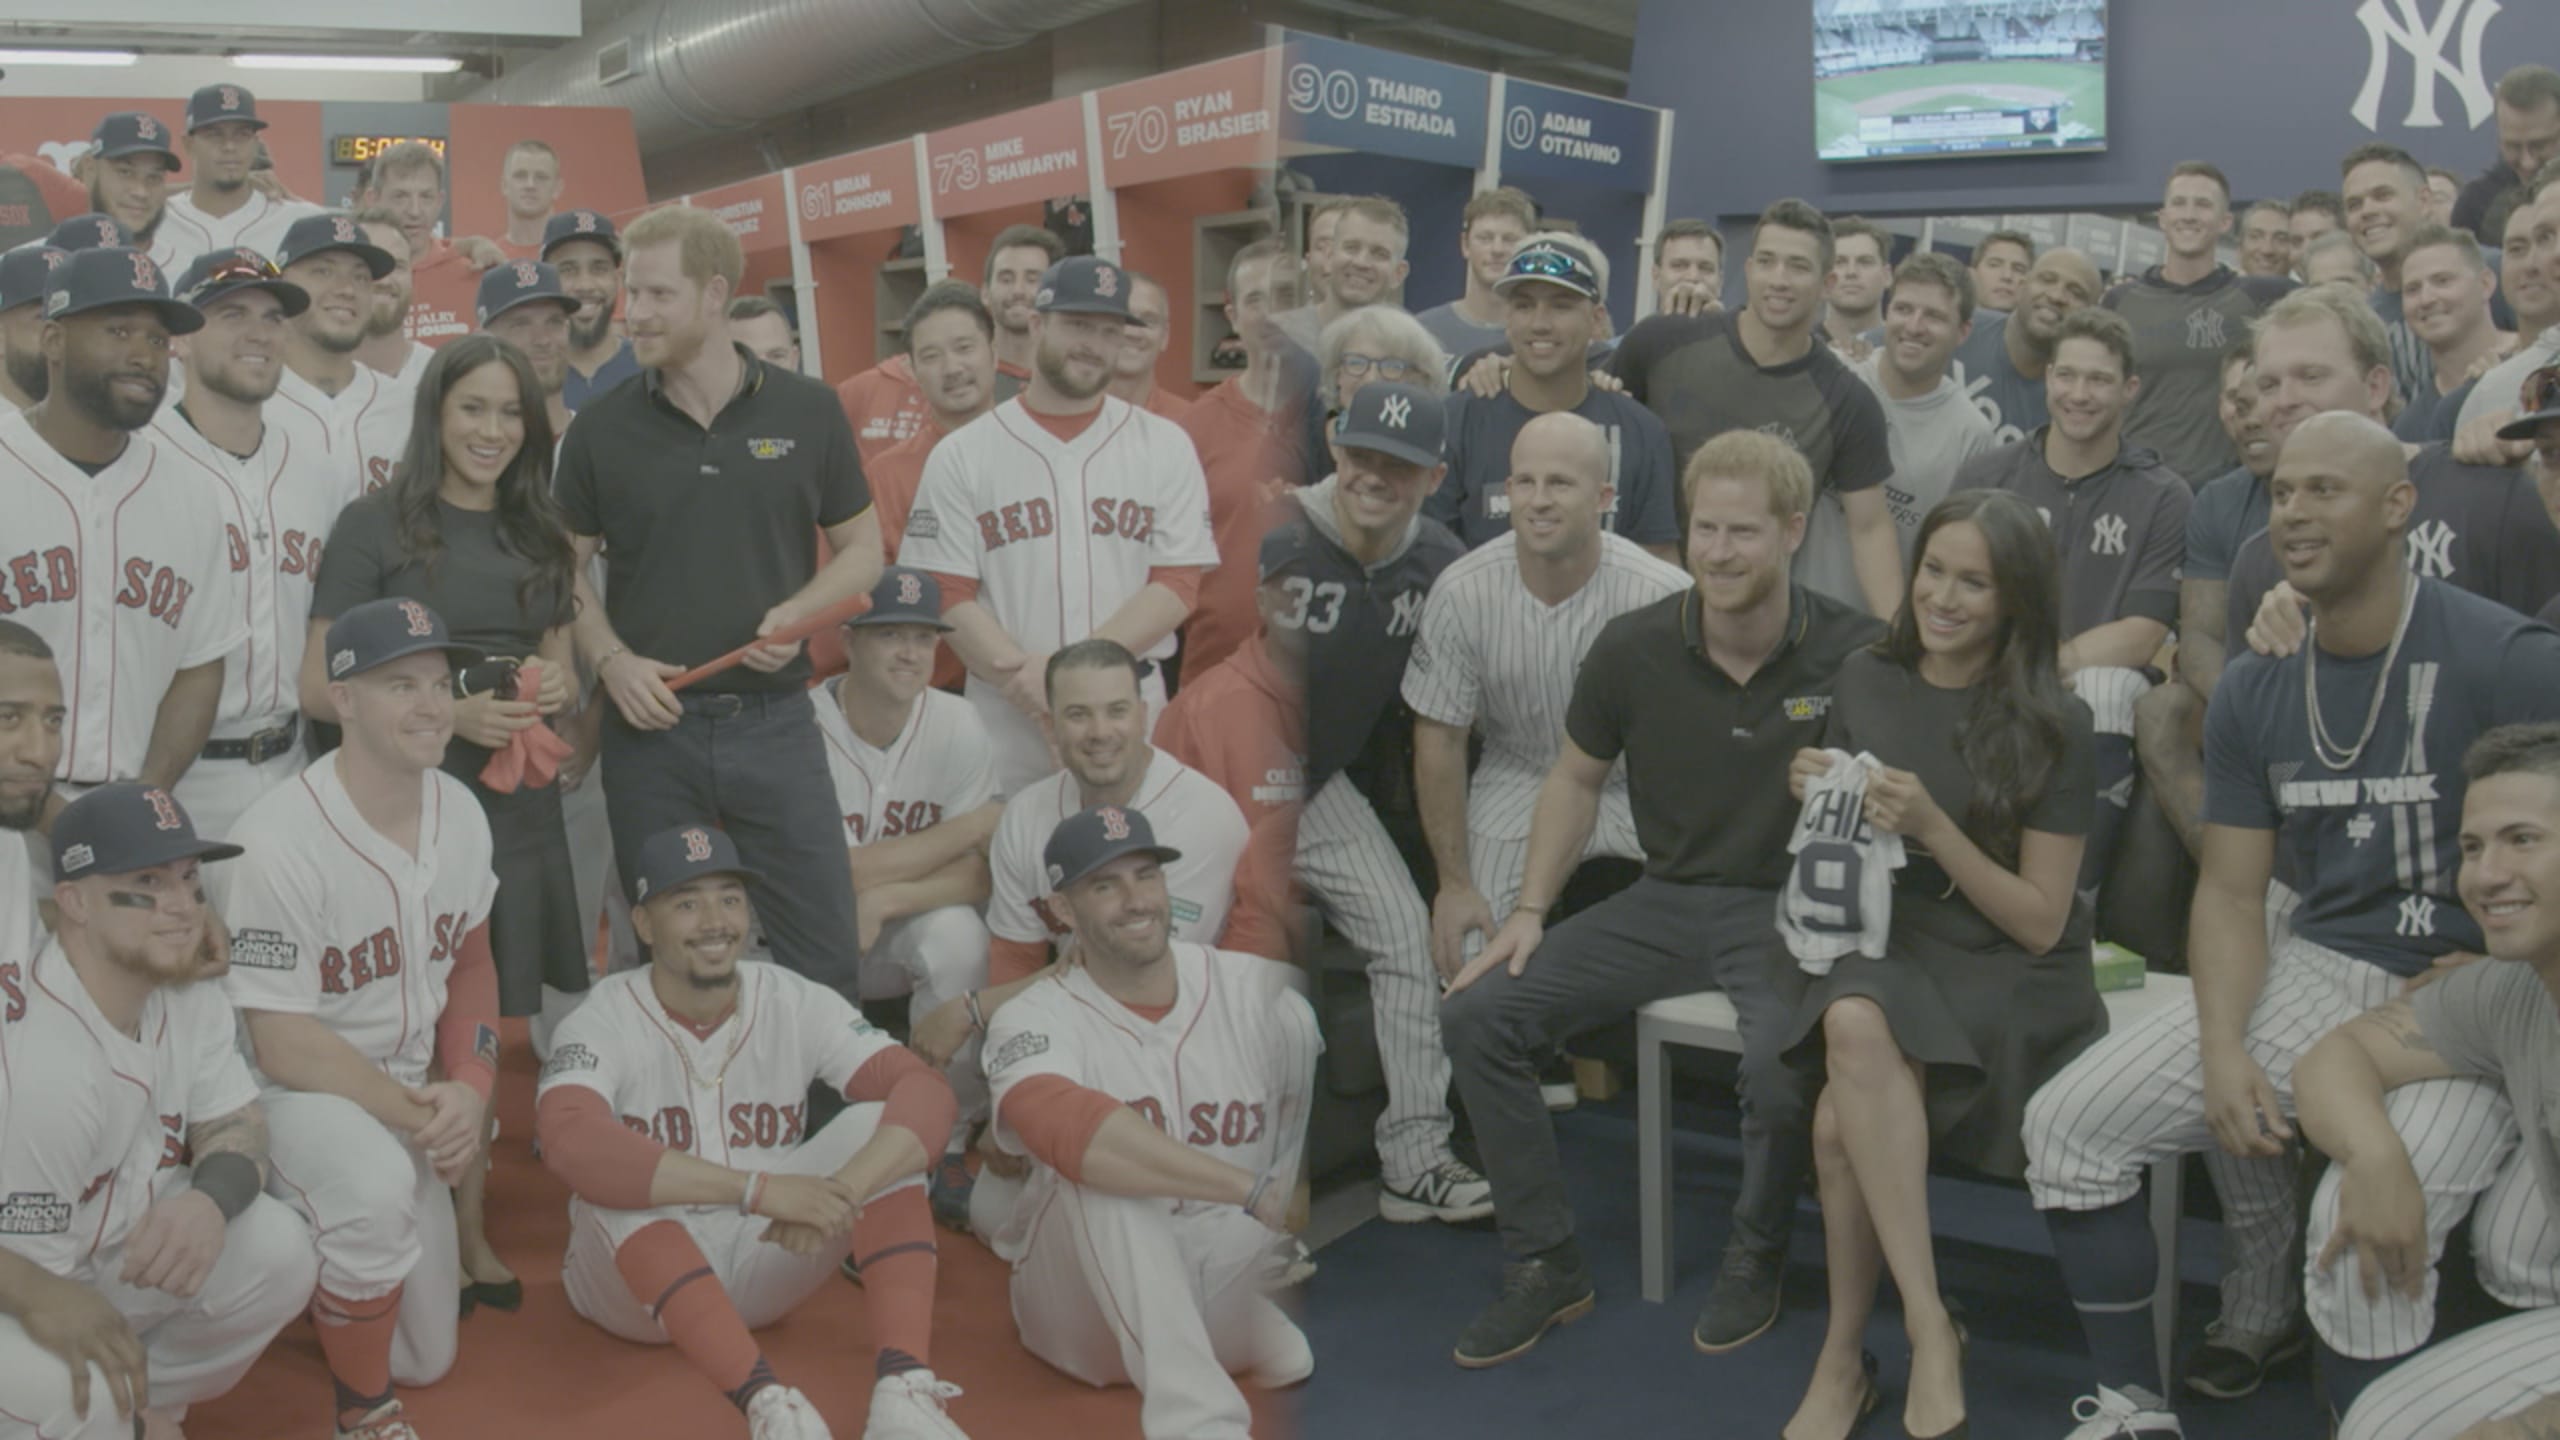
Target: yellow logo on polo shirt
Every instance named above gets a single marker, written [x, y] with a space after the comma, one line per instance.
[769, 449]
[1806, 707]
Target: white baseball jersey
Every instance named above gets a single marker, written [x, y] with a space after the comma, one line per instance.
[186, 232]
[89, 1116]
[1202, 1074]
[1839, 894]
[1059, 534]
[331, 919]
[366, 424]
[738, 1096]
[125, 574]
[413, 368]
[21, 926]
[277, 509]
[1497, 658]
[939, 766]
[1188, 811]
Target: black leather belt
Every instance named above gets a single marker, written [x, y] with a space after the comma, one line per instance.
[257, 749]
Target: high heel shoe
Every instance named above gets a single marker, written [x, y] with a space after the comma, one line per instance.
[503, 1295]
[1870, 1398]
[1962, 1429]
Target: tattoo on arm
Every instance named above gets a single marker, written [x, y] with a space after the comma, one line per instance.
[242, 1132]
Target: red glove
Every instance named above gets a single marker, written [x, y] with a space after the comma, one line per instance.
[534, 754]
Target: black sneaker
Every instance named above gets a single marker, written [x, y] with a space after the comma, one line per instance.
[1744, 1303]
[2232, 1363]
[1537, 1295]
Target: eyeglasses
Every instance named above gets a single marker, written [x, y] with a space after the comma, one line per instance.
[2541, 391]
[236, 271]
[1386, 367]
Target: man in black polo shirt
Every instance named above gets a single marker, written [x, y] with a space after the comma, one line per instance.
[2119, 519]
[704, 484]
[1760, 370]
[1706, 694]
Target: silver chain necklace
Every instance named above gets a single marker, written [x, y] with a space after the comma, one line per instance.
[2329, 751]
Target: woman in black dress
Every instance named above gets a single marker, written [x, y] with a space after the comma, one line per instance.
[468, 527]
[1985, 988]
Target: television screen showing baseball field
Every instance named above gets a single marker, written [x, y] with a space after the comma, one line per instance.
[1910, 79]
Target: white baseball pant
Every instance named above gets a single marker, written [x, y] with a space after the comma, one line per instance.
[765, 1282]
[2479, 1375]
[2137, 1097]
[930, 958]
[196, 1348]
[382, 1218]
[1021, 747]
[1354, 871]
[216, 793]
[2462, 1151]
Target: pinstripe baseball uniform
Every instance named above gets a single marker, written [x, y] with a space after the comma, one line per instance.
[2374, 843]
[2498, 1369]
[1493, 656]
[2491, 1019]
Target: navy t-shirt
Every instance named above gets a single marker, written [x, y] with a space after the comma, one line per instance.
[2012, 403]
[2375, 847]
[1475, 500]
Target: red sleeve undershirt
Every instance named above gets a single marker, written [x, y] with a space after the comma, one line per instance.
[912, 1095]
[1011, 960]
[956, 589]
[467, 1032]
[1056, 1118]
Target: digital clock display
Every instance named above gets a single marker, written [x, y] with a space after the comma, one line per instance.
[359, 149]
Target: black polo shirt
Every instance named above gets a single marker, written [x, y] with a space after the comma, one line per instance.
[706, 530]
[1706, 758]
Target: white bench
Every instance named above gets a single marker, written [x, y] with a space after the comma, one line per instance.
[1705, 1021]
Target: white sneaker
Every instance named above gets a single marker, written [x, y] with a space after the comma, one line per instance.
[909, 1407]
[779, 1412]
[1450, 1191]
[1281, 1355]
[2123, 1415]
[383, 1424]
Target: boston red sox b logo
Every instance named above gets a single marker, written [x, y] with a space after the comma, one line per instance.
[164, 811]
[697, 846]
[422, 621]
[146, 276]
[526, 275]
[342, 231]
[106, 231]
[144, 128]
[1106, 281]
[586, 222]
[910, 589]
[230, 98]
[1115, 823]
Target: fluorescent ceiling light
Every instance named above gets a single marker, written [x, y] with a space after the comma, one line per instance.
[405, 64]
[68, 57]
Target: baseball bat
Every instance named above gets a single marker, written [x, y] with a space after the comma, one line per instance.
[792, 633]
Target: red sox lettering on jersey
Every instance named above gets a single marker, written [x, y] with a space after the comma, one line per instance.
[941, 764]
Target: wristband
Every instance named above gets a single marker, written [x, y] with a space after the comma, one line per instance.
[977, 1017]
[608, 657]
[1525, 908]
[1253, 1197]
[230, 1180]
[748, 1202]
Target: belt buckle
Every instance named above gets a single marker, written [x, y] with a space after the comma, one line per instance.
[266, 745]
[723, 704]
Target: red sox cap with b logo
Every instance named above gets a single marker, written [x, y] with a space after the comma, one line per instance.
[131, 132]
[91, 231]
[378, 632]
[1083, 285]
[222, 105]
[520, 282]
[571, 225]
[111, 277]
[328, 230]
[127, 826]
[1090, 839]
[25, 272]
[680, 856]
[903, 597]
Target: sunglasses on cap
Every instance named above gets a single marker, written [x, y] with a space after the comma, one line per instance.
[1549, 263]
[238, 270]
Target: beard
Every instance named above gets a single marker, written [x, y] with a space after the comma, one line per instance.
[1053, 368]
[24, 817]
[90, 392]
[226, 383]
[589, 334]
[386, 319]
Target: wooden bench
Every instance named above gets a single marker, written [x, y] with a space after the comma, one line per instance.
[1705, 1021]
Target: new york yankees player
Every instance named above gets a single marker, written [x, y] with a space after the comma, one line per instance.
[915, 778]
[2375, 1236]
[1371, 556]
[269, 471]
[360, 955]
[1161, 1089]
[703, 1208]
[363, 412]
[2360, 811]
[1063, 513]
[114, 554]
[132, 1146]
[1503, 636]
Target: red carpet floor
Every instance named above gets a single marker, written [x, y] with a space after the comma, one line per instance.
[544, 1374]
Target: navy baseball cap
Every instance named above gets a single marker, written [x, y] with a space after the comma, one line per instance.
[685, 854]
[571, 225]
[331, 230]
[1285, 548]
[1552, 262]
[505, 286]
[1090, 839]
[222, 104]
[89, 232]
[100, 279]
[26, 272]
[131, 132]
[127, 826]
[904, 596]
[2537, 405]
[378, 632]
[1392, 418]
[217, 273]
[1084, 285]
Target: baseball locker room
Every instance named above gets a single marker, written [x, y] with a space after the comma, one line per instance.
[1211, 718]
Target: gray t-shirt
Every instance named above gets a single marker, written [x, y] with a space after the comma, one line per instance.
[2494, 1019]
[2180, 333]
[2012, 403]
[1930, 439]
[1459, 336]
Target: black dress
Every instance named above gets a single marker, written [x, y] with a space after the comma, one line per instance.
[1989, 1021]
[533, 925]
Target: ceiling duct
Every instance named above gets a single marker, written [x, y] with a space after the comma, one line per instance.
[684, 67]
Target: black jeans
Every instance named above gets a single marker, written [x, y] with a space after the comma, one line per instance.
[756, 766]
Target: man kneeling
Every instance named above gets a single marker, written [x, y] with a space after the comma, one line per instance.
[1163, 1090]
[667, 1245]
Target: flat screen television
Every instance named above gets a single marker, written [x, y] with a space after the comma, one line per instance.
[1922, 79]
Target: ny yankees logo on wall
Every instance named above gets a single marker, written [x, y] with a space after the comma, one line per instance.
[2398, 25]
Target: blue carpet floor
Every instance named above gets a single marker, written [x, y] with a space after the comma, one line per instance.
[1390, 1300]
